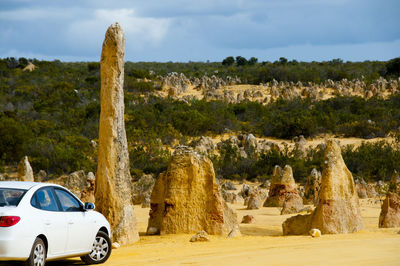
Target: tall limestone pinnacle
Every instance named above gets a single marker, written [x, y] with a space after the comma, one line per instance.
[113, 181]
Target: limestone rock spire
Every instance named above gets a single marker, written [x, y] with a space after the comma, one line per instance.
[113, 181]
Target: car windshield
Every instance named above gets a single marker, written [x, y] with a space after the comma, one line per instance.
[11, 196]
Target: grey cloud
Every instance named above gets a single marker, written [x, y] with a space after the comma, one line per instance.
[198, 30]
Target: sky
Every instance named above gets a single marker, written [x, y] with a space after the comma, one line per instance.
[201, 30]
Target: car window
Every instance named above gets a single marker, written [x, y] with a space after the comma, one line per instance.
[68, 202]
[10, 196]
[45, 199]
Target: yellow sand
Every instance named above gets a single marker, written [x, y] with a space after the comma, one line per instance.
[262, 243]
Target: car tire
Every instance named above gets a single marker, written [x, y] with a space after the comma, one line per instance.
[101, 249]
[38, 254]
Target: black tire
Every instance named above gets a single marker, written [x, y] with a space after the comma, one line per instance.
[101, 250]
[38, 254]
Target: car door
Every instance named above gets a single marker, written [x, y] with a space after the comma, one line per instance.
[81, 225]
[55, 223]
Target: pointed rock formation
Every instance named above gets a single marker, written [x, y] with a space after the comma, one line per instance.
[312, 187]
[292, 204]
[186, 198]
[24, 169]
[361, 188]
[113, 188]
[338, 209]
[282, 184]
[390, 211]
[255, 200]
[394, 182]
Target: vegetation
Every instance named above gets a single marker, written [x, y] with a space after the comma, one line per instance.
[51, 114]
[372, 161]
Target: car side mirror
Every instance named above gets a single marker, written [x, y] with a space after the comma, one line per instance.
[89, 206]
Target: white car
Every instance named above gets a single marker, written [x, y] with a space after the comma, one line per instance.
[40, 222]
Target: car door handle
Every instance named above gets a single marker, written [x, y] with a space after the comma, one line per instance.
[47, 223]
[70, 222]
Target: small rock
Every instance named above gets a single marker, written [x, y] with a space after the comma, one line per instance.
[248, 219]
[152, 231]
[228, 185]
[90, 176]
[201, 236]
[41, 176]
[315, 232]
[235, 232]
[115, 245]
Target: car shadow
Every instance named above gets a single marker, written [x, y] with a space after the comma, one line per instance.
[65, 262]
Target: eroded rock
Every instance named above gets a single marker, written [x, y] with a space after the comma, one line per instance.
[201, 236]
[113, 181]
[24, 169]
[248, 219]
[390, 211]
[282, 184]
[338, 208]
[186, 198]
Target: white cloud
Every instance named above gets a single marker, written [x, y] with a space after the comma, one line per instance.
[140, 32]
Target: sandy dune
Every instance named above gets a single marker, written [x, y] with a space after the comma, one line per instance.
[262, 243]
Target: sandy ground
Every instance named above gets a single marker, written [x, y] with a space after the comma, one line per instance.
[262, 243]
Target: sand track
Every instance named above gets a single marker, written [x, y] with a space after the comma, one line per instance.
[262, 243]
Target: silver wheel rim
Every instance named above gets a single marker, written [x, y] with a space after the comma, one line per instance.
[99, 249]
[38, 255]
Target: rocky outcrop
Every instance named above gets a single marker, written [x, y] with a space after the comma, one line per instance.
[41, 176]
[24, 169]
[87, 194]
[361, 187]
[186, 198]
[300, 146]
[338, 208]
[113, 181]
[81, 185]
[229, 197]
[248, 219]
[255, 200]
[371, 191]
[30, 67]
[204, 145]
[76, 181]
[292, 204]
[282, 185]
[390, 211]
[142, 190]
[228, 185]
[178, 86]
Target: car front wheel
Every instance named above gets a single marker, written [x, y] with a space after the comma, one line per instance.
[38, 254]
[101, 250]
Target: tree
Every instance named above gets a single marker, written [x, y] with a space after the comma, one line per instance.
[253, 61]
[241, 61]
[393, 67]
[228, 61]
[283, 60]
